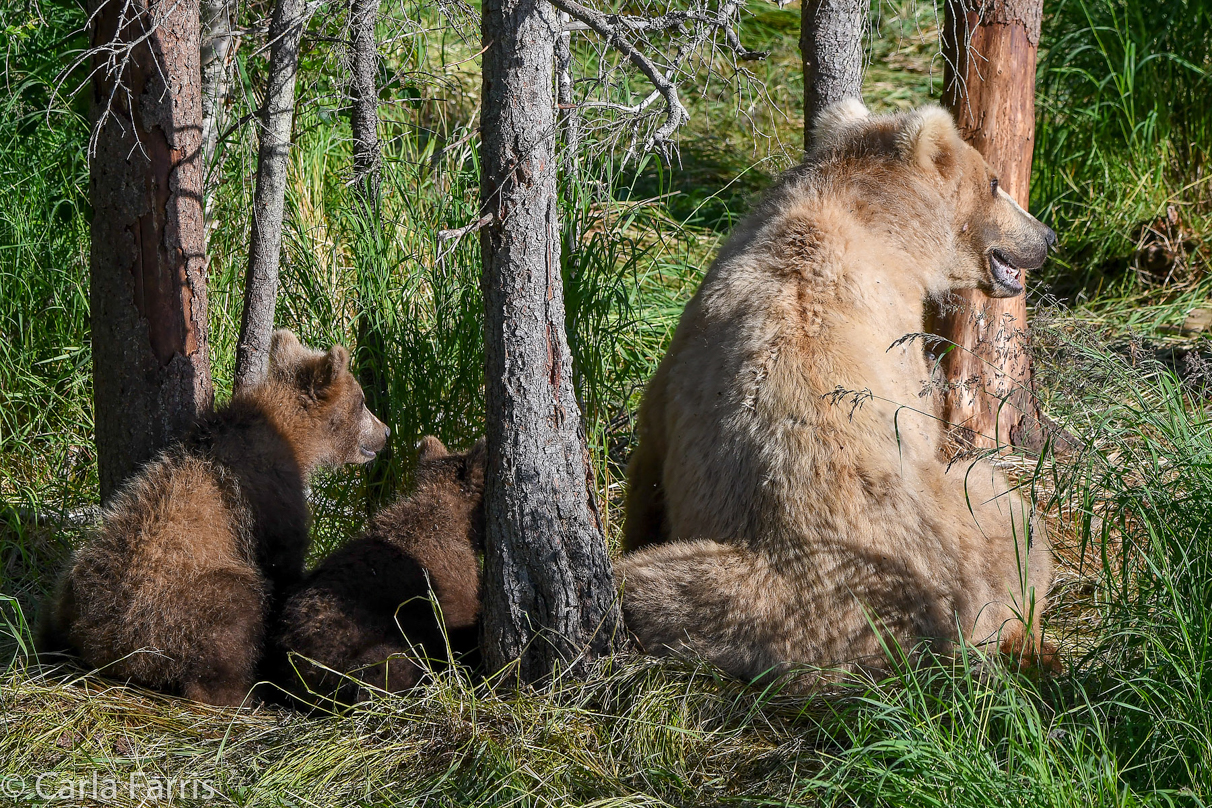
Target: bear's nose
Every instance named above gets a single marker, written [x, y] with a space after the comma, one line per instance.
[1050, 236]
[386, 431]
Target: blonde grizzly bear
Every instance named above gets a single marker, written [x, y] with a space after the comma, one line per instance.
[174, 590]
[788, 501]
[366, 611]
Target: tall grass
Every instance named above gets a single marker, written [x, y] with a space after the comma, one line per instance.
[1124, 128]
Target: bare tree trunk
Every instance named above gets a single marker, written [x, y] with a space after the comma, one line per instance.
[989, 82]
[549, 595]
[831, 42]
[265, 249]
[218, 52]
[151, 366]
[364, 116]
[570, 122]
[368, 164]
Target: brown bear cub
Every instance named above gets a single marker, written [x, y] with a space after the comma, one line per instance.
[174, 590]
[366, 611]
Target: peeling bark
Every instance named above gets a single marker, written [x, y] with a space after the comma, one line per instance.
[151, 365]
[265, 248]
[989, 85]
[549, 598]
[831, 42]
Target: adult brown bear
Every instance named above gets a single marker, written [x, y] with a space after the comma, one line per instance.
[788, 502]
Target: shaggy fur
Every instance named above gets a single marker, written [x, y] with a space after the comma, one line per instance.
[789, 490]
[366, 611]
[174, 590]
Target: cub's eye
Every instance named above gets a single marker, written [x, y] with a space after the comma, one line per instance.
[993, 186]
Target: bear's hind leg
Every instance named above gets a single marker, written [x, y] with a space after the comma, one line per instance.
[223, 625]
[709, 600]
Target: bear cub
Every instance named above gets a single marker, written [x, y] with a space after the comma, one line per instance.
[366, 610]
[175, 589]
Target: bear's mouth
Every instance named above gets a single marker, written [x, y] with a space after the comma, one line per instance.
[367, 453]
[1007, 278]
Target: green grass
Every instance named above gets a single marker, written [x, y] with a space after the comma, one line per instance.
[1123, 133]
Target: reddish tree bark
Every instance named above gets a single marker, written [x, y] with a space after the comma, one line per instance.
[151, 366]
[989, 85]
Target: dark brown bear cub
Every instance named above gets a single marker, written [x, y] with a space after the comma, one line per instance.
[367, 612]
[174, 590]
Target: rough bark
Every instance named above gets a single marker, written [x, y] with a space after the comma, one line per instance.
[570, 123]
[364, 94]
[151, 366]
[367, 177]
[831, 42]
[989, 85]
[218, 50]
[549, 596]
[265, 248]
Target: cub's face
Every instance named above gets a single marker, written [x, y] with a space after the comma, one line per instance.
[357, 435]
[340, 429]
[997, 241]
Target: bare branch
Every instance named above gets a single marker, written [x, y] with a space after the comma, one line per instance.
[631, 36]
[609, 29]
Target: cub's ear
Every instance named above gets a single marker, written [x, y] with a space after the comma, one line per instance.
[475, 463]
[831, 124]
[431, 449]
[285, 351]
[930, 141]
[323, 369]
[477, 455]
[333, 365]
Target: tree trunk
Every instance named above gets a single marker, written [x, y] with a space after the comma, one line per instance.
[368, 163]
[549, 597]
[570, 124]
[831, 42]
[151, 366]
[218, 51]
[989, 82]
[265, 249]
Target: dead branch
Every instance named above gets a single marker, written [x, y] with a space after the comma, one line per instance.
[622, 31]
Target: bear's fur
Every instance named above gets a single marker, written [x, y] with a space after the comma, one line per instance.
[174, 590]
[366, 610]
[789, 489]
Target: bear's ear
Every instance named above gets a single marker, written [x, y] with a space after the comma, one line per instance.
[475, 463]
[333, 365]
[930, 141]
[322, 370]
[431, 449]
[830, 127]
[285, 351]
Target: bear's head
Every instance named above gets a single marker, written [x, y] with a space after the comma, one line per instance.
[456, 476]
[994, 241]
[437, 465]
[333, 422]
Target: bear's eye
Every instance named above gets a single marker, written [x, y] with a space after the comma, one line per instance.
[993, 186]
